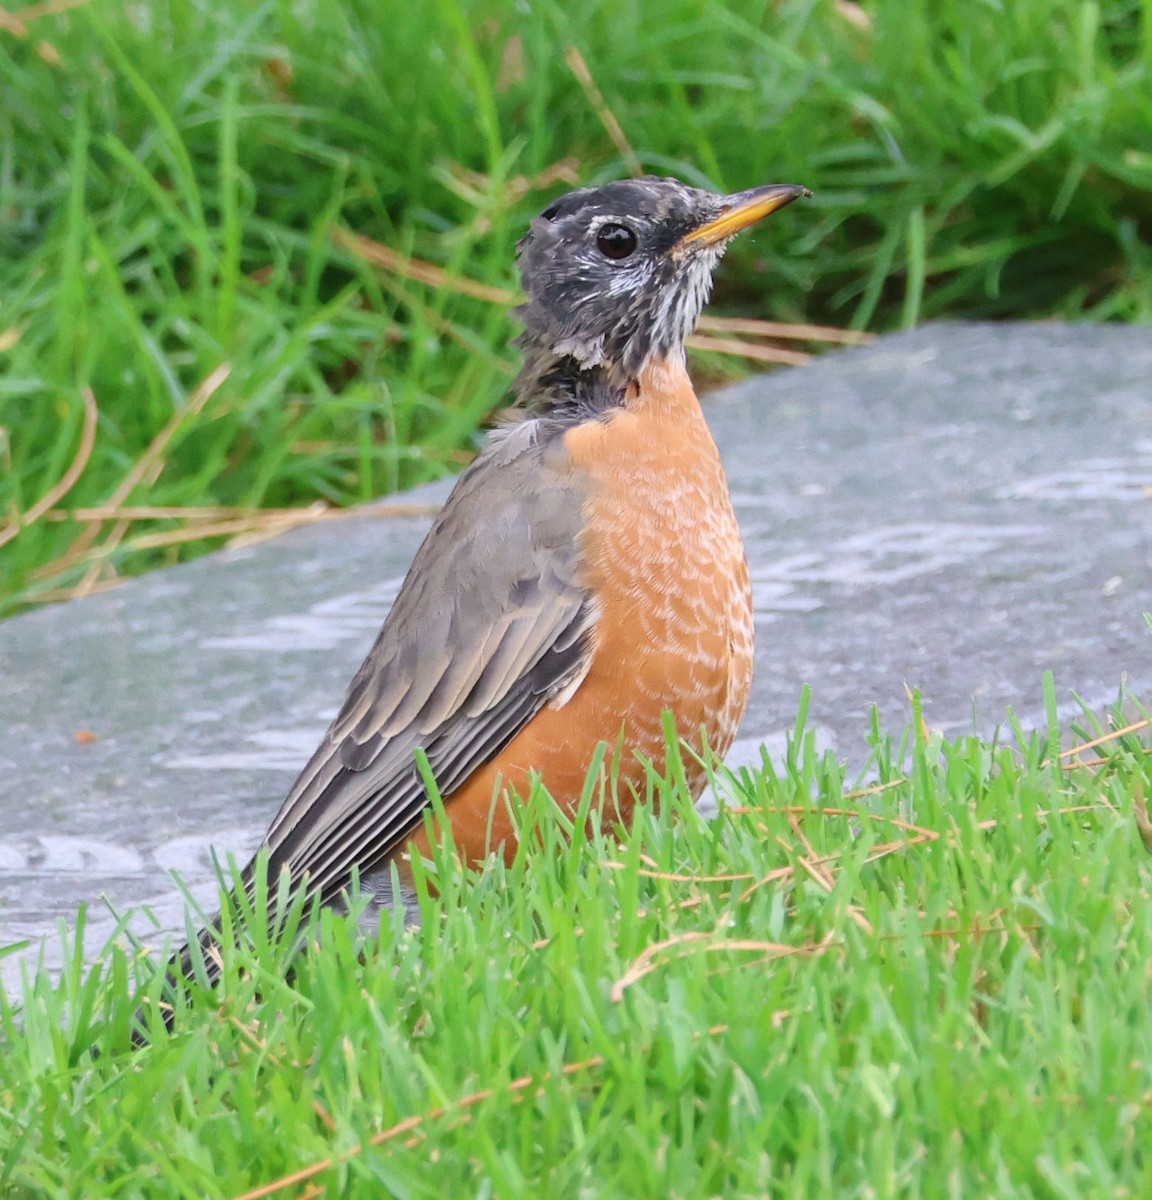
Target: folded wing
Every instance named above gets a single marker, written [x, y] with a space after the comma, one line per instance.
[490, 624]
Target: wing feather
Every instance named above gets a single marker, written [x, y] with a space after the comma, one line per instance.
[492, 621]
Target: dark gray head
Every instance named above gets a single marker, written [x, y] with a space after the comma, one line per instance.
[617, 275]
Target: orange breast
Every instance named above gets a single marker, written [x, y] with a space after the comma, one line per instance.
[664, 557]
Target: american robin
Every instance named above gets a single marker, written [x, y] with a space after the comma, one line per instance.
[585, 576]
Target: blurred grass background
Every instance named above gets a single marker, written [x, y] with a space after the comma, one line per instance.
[189, 345]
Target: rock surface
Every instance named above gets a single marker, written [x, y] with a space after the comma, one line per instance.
[957, 509]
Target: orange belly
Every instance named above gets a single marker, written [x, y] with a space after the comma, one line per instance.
[664, 558]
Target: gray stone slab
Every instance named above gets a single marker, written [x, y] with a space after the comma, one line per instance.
[957, 509]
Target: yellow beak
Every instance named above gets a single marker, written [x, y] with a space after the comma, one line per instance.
[743, 209]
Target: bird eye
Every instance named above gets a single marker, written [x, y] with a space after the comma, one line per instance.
[615, 241]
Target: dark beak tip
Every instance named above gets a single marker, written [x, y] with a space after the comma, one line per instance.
[786, 193]
[796, 191]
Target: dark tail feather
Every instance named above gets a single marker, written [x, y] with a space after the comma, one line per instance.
[251, 909]
[199, 962]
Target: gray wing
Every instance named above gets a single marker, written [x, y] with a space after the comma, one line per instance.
[491, 622]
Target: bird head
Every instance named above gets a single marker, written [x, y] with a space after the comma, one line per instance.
[617, 275]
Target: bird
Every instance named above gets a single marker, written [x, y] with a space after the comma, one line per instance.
[585, 576]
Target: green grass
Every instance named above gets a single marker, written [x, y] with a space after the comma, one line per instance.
[172, 174]
[929, 981]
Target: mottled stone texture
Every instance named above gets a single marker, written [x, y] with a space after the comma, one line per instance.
[957, 509]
